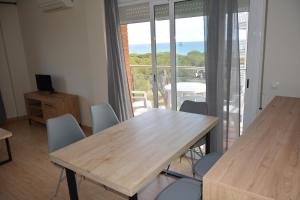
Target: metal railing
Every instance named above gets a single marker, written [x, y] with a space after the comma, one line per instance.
[143, 82]
[198, 74]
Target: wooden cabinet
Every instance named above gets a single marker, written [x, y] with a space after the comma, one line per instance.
[42, 106]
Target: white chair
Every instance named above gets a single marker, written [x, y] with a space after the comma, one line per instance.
[140, 96]
[103, 116]
[62, 131]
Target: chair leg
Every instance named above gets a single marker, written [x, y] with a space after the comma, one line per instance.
[168, 167]
[201, 152]
[80, 180]
[192, 158]
[180, 158]
[61, 178]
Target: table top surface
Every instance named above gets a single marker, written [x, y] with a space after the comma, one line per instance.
[265, 162]
[4, 134]
[129, 155]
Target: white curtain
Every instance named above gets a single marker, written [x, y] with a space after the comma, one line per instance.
[223, 69]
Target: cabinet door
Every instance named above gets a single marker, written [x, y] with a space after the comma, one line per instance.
[53, 108]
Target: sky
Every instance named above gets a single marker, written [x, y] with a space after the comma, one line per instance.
[187, 30]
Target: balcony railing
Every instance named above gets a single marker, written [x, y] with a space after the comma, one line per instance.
[142, 81]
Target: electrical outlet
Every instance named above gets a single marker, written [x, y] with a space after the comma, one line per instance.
[275, 85]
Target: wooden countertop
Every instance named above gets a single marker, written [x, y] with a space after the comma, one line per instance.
[264, 164]
[129, 155]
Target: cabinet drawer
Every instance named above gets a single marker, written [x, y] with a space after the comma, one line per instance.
[53, 109]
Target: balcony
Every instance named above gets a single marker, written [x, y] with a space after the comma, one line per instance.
[190, 86]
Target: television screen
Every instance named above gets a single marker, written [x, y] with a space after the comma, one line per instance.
[44, 82]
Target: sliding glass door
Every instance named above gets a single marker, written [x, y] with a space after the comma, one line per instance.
[178, 62]
[164, 52]
[160, 33]
[188, 28]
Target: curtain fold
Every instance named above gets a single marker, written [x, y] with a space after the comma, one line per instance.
[118, 90]
[223, 70]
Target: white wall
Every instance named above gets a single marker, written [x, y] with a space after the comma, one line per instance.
[70, 46]
[282, 59]
[14, 80]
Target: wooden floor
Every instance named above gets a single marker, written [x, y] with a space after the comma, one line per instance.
[31, 176]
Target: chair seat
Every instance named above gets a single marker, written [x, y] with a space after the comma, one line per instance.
[182, 189]
[204, 164]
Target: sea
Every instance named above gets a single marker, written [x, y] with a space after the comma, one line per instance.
[182, 48]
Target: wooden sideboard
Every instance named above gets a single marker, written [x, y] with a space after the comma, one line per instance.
[42, 106]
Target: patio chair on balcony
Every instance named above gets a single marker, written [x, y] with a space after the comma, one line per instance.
[139, 96]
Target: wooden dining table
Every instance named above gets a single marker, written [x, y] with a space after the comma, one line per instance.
[128, 156]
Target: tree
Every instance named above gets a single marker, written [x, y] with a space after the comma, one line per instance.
[142, 75]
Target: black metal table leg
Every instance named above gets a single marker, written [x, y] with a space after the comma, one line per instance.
[179, 175]
[207, 145]
[8, 152]
[134, 197]
[72, 184]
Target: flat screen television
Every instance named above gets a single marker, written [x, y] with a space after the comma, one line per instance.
[44, 83]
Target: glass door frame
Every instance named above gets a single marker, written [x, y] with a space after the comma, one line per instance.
[172, 50]
[173, 53]
[153, 48]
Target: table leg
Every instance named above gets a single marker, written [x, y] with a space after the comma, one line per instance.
[72, 184]
[207, 145]
[8, 152]
[134, 197]
[8, 149]
[178, 175]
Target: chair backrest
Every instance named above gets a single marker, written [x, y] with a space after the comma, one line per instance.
[194, 107]
[62, 131]
[103, 116]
